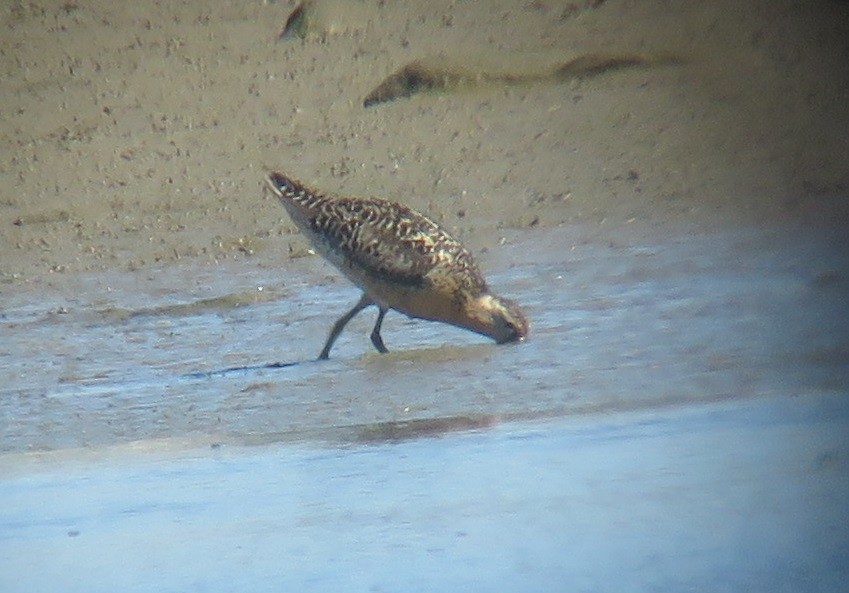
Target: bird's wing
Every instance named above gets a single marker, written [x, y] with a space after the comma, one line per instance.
[392, 242]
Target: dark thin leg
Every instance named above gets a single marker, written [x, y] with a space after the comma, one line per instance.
[340, 325]
[375, 333]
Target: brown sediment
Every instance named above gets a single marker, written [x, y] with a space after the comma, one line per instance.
[42, 217]
[404, 430]
[316, 21]
[297, 23]
[417, 77]
[439, 75]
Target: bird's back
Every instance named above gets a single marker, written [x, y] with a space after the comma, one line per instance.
[384, 247]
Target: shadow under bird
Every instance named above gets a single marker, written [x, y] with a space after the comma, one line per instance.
[401, 260]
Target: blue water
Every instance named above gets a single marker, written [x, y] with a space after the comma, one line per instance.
[720, 497]
[679, 420]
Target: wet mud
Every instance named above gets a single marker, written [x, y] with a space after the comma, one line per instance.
[439, 75]
[672, 384]
[615, 326]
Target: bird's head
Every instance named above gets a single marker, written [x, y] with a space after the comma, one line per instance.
[499, 318]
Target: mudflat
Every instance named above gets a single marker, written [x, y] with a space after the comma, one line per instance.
[136, 135]
[662, 187]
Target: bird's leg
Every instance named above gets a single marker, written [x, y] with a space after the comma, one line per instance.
[340, 325]
[375, 333]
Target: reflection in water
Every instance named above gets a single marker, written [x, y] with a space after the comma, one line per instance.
[402, 430]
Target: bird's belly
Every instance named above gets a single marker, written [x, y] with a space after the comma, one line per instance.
[423, 302]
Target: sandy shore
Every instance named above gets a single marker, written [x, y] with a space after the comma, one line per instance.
[139, 134]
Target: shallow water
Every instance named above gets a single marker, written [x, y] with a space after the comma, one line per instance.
[615, 326]
[740, 496]
[678, 417]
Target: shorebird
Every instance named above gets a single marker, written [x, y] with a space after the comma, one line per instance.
[401, 260]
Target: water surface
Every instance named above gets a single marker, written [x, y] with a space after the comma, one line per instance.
[678, 420]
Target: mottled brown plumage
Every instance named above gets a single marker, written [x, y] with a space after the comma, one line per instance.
[402, 260]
